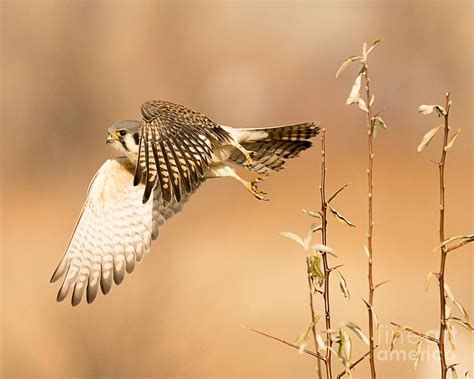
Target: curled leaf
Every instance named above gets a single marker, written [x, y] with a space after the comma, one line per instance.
[451, 142]
[395, 336]
[417, 353]
[358, 332]
[354, 95]
[343, 285]
[374, 45]
[340, 217]
[346, 64]
[428, 109]
[315, 267]
[454, 374]
[427, 138]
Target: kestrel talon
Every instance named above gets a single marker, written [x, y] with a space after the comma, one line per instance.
[164, 158]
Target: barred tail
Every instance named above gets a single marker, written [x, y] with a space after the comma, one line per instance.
[273, 145]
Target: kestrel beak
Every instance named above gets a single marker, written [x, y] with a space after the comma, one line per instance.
[109, 139]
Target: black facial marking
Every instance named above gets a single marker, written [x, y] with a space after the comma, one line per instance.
[136, 137]
[123, 144]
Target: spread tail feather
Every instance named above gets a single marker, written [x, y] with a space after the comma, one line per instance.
[273, 145]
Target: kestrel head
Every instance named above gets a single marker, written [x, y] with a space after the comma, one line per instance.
[125, 136]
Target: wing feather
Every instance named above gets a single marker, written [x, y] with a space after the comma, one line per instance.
[183, 142]
[114, 231]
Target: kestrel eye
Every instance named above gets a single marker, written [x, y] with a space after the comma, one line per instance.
[122, 133]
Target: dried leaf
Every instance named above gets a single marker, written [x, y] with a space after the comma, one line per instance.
[462, 310]
[322, 248]
[294, 237]
[354, 95]
[451, 142]
[395, 336]
[462, 240]
[428, 109]
[303, 339]
[427, 138]
[451, 338]
[346, 64]
[340, 217]
[379, 122]
[454, 374]
[358, 332]
[372, 99]
[374, 45]
[312, 213]
[418, 353]
[345, 347]
[343, 285]
[462, 323]
[315, 267]
[321, 343]
[362, 105]
[428, 280]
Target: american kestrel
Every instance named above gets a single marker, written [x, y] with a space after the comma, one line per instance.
[165, 157]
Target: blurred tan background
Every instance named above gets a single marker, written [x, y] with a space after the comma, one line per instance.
[71, 69]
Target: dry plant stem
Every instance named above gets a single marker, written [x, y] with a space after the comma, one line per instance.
[355, 363]
[416, 332]
[444, 250]
[327, 271]
[311, 307]
[294, 346]
[371, 222]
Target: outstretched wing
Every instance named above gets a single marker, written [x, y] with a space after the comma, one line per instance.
[176, 145]
[115, 230]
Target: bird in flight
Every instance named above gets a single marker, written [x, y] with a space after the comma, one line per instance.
[164, 158]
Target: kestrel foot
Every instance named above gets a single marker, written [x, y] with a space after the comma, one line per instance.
[254, 190]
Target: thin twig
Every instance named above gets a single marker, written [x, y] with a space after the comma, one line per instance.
[444, 250]
[341, 374]
[370, 172]
[337, 192]
[294, 346]
[327, 270]
[416, 332]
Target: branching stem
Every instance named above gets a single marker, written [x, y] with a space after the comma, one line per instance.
[371, 219]
[444, 249]
[327, 270]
